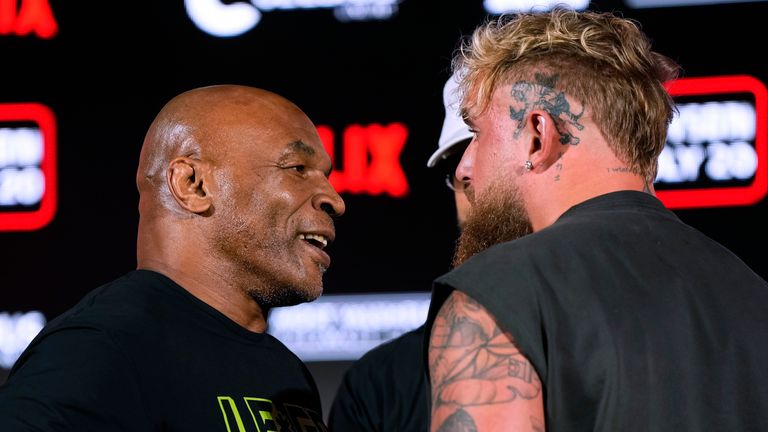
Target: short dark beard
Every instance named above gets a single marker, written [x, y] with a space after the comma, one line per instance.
[280, 297]
[496, 217]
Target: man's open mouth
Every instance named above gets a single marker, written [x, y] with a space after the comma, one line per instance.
[317, 240]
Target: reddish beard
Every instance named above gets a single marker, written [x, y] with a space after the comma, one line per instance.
[497, 216]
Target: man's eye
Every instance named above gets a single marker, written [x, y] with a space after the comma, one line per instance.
[298, 168]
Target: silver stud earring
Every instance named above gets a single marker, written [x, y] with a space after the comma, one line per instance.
[528, 165]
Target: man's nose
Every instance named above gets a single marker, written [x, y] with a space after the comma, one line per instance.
[329, 201]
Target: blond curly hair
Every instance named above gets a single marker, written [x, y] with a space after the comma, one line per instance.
[601, 60]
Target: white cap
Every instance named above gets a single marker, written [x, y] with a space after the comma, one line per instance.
[454, 129]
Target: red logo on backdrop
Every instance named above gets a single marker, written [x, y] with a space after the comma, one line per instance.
[27, 166]
[714, 157]
[34, 16]
[370, 159]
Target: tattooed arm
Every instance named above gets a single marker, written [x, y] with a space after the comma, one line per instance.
[480, 380]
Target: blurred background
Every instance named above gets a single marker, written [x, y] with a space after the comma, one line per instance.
[80, 83]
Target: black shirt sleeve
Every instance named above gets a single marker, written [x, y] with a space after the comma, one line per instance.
[386, 390]
[354, 407]
[72, 379]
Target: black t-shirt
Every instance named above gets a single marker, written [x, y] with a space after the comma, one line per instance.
[633, 320]
[143, 354]
[385, 390]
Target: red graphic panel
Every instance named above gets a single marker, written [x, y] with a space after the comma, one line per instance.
[41, 213]
[725, 196]
[370, 158]
[29, 17]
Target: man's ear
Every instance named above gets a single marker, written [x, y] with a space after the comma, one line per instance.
[188, 181]
[545, 147]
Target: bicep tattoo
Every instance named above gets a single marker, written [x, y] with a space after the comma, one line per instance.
[474, 366]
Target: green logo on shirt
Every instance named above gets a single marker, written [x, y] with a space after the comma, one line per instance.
[265, 416]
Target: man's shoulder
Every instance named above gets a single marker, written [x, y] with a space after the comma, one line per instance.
[399, 353]
[585, 226]
[406, 342]
[395, 365]
[110, 318]
[126, 300]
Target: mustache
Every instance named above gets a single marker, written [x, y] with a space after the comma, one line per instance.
[469, 192]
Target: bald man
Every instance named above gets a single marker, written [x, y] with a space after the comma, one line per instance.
[235, 211]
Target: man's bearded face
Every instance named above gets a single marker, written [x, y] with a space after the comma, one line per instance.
[497, 216]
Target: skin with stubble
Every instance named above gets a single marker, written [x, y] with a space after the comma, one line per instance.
[235, 203]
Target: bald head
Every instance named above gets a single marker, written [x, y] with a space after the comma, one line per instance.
[196, 124]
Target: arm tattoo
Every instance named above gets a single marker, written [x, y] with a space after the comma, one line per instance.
[474, 365]
[458, 421]
[537, 425]
[542, 94]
